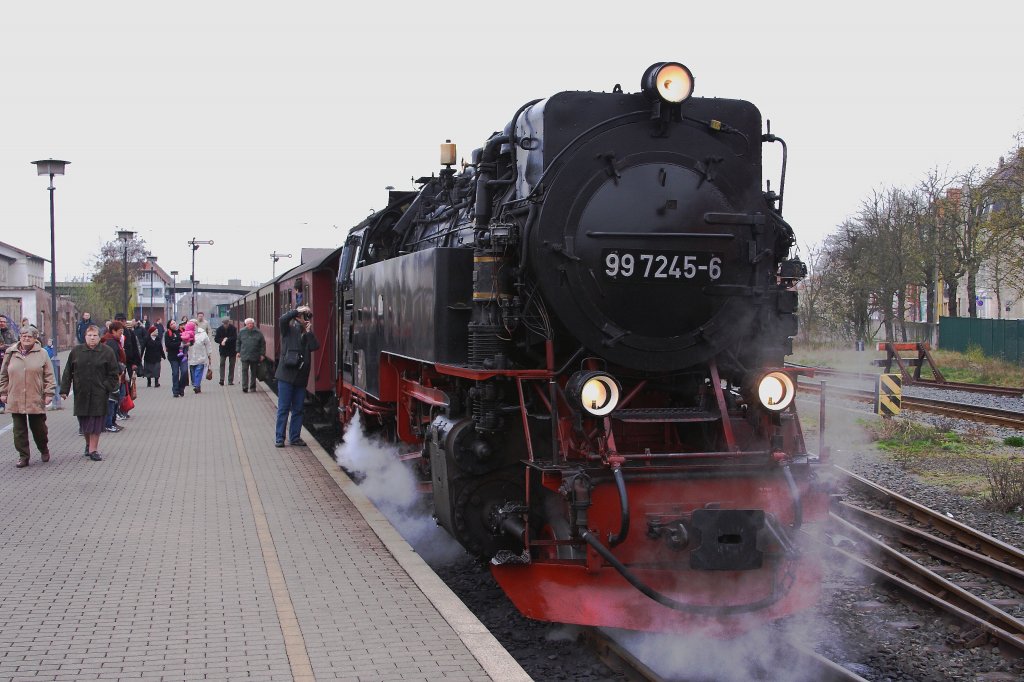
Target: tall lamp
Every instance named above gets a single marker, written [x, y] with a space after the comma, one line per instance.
[125, 236]
[152, 265]
[174, 294]
[194, 243]
[52, 167]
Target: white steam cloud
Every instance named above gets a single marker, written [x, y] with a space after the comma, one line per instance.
[391, 486]
[754, 656]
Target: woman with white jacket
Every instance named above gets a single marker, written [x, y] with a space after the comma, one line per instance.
[199, 354]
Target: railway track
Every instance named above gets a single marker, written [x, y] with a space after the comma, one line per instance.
[914, 560]
[812, 665]
[976, 413]
[1010, 391]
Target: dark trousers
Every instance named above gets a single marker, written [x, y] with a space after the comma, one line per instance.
[231, 366]
[290, 401]
[22, 423]
[113, 404]
[179, 376]
[250, 372]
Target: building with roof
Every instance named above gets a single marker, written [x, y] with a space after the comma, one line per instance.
[23, 295]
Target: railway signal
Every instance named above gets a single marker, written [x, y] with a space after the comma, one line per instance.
[888, 395]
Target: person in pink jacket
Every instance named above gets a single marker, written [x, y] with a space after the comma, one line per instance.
[27, 386]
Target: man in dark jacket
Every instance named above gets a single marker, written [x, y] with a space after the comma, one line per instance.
[83, 324]
[252, 350]
[294, 363]
[225, 339]
[177, 359]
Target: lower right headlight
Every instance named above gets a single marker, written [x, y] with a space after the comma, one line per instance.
[776, 390]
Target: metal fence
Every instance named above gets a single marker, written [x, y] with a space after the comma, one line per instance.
[996, 338]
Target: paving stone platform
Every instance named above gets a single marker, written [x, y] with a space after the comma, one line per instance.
[198, 550]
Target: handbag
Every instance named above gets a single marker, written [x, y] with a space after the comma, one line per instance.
[209, 373]
[292, 358]
[133, 391]
[127, 403]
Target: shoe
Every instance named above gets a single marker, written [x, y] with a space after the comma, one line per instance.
[277, 444]
[45, 457]
[22, 463]
[299, 442]
[156, 385]
[231, 383]
[222, 383]
[95, 456]
[149, 384]
[195, 390]
[245, 390]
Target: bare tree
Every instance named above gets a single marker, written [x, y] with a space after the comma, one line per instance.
[107, 290]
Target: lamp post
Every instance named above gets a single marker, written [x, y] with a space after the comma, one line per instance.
[152, 265]
[174, 294]
[125, 236]
[274, 257]
[194, 243]
[52, 167]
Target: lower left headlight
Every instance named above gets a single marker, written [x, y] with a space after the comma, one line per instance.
[776, 390]
[596, 393]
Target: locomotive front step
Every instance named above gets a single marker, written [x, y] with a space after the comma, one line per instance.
[665, 414]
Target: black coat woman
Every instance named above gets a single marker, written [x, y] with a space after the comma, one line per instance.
[92, 371]
[152, 354]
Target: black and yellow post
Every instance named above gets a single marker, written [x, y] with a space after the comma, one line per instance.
[888, 395]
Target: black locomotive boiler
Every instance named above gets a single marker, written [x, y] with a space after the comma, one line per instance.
[579, 336]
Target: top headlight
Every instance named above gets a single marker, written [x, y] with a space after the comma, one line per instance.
[668, 81]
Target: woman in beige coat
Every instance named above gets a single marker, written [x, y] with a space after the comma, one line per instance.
[27, 385]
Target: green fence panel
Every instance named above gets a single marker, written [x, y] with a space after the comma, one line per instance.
[996, 338]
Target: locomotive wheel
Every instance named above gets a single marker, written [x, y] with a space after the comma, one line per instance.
[477, 500]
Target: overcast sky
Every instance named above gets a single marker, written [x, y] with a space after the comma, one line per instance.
[274, 126]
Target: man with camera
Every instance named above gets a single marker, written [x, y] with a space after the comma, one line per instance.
[297, 342]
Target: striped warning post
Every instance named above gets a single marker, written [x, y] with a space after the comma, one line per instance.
[888, 394]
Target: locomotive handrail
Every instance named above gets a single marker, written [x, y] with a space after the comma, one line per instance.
[573, 141]
[660, 235]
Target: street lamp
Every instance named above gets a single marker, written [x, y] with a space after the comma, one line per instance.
[125, 236]
[174, 294]
[52, 167]
[274, 257]
[152, 264]
[194, 243]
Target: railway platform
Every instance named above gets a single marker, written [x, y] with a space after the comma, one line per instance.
[198, 550]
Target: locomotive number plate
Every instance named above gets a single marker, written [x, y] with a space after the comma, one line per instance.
[659, 265]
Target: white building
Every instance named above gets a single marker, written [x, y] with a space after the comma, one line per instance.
[23, 294]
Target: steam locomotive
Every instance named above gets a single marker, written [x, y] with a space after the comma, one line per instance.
[579, 337]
